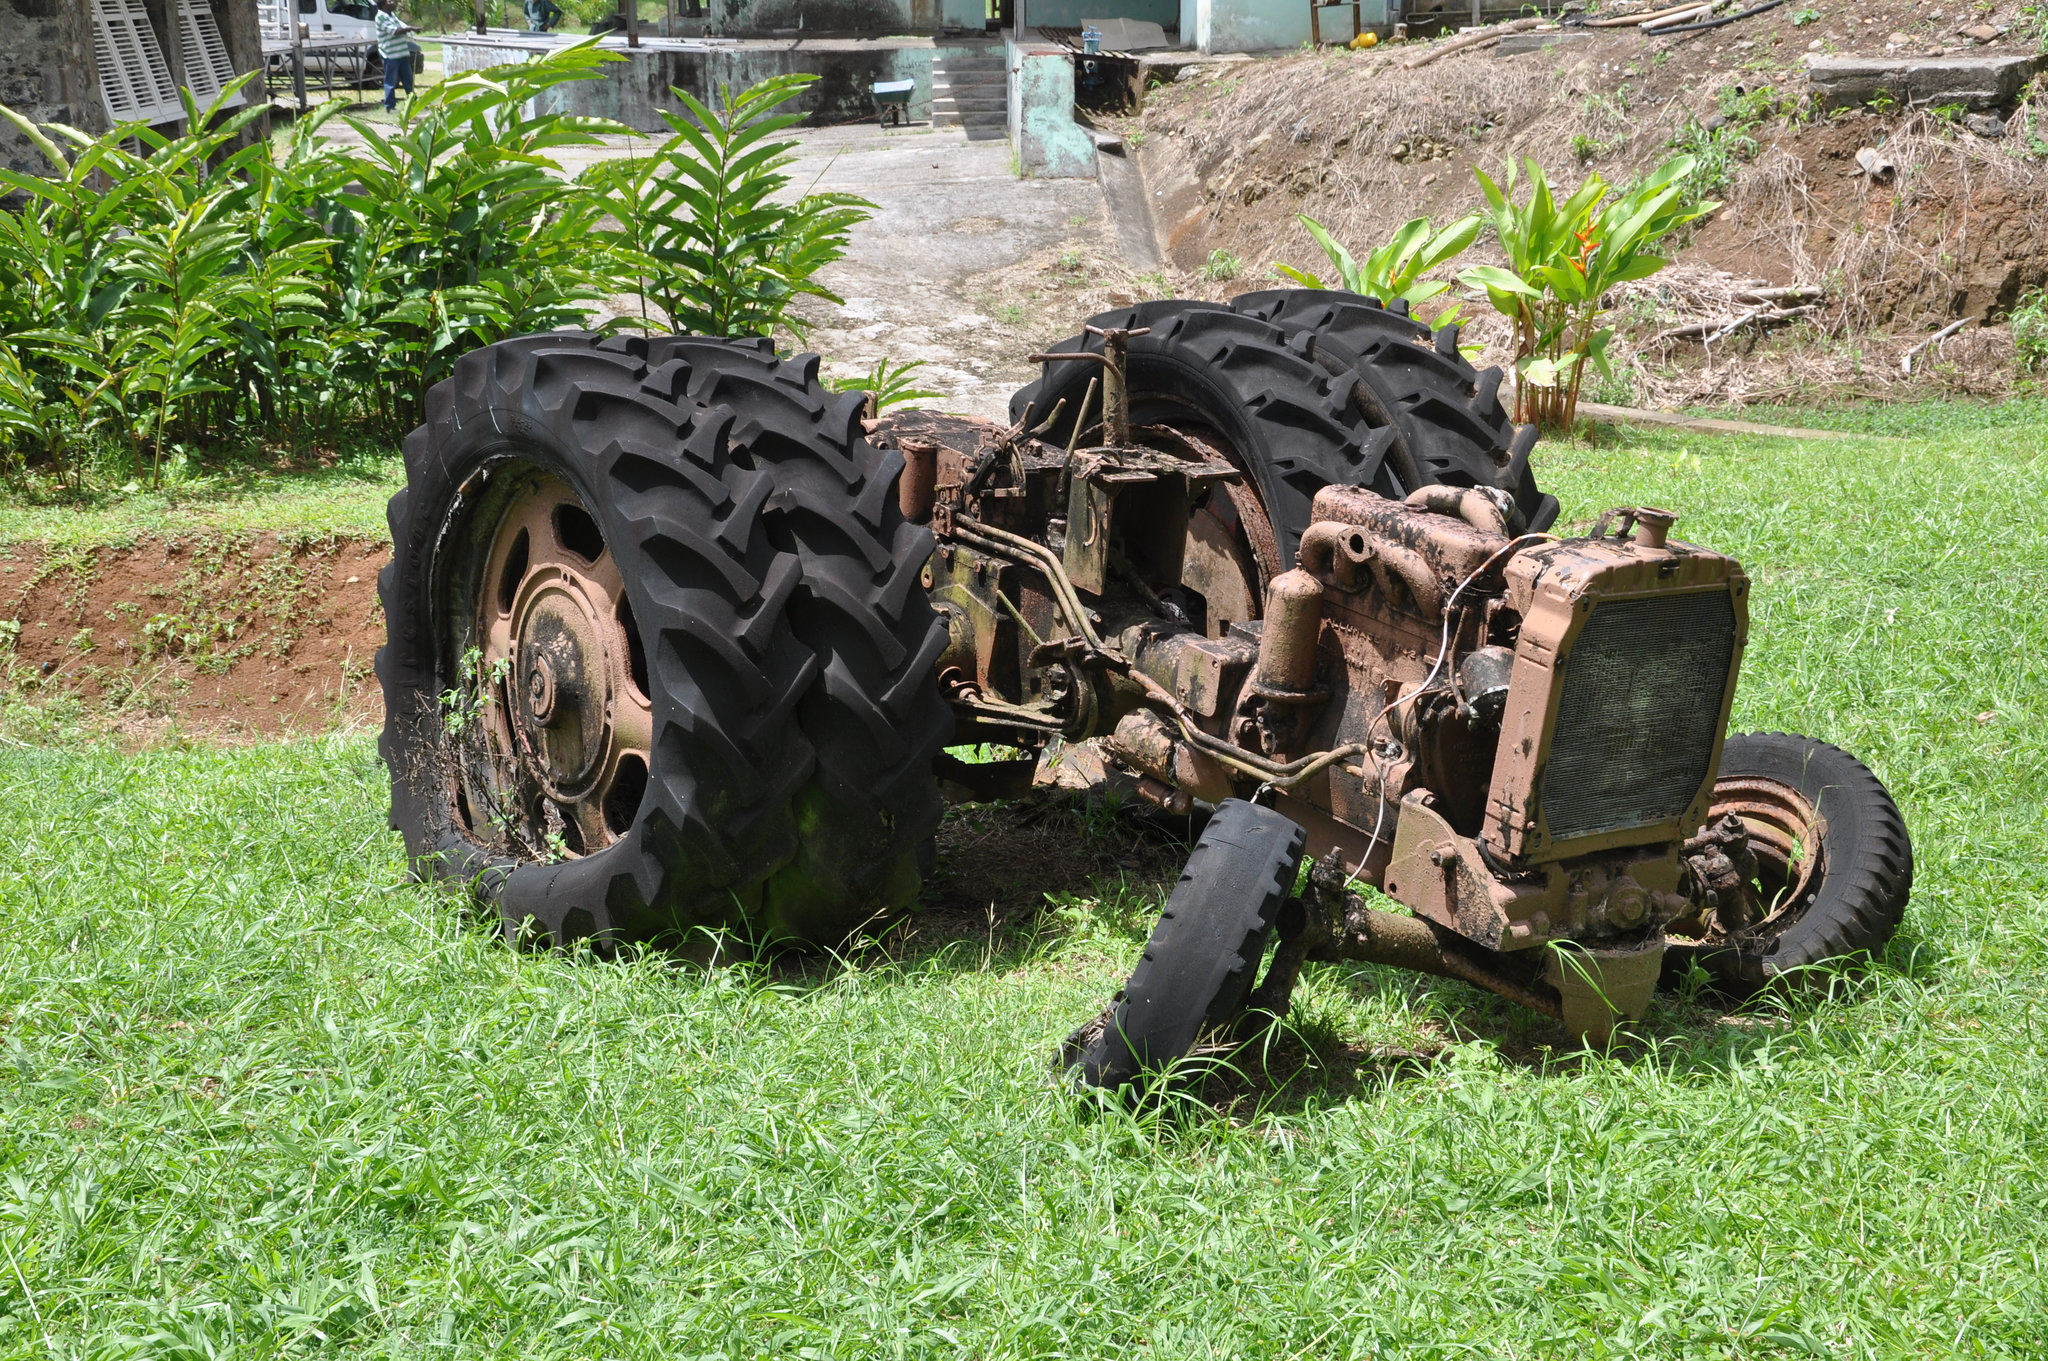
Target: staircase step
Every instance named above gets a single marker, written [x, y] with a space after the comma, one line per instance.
[971, 92]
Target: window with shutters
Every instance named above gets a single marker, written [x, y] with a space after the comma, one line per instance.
[135, 79]
[208, 70]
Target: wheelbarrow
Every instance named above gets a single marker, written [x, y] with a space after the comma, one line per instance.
[892, 101]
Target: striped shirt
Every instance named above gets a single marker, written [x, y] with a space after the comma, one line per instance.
[391, 36]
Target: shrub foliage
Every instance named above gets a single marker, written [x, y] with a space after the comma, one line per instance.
[162, 296]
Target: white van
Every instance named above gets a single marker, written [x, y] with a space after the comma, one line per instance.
[322, 18]
[340, 36]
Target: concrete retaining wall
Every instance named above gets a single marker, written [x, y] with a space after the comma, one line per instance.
[851, 18]
[1249, 25]
[1070, 13]
[1047, 141]
[635, 90]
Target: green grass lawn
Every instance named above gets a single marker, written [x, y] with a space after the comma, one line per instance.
[346, 499]
[262, 1097]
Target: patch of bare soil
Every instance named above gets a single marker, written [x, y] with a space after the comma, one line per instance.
[1957, 228]
[998, 863]
[227, 636]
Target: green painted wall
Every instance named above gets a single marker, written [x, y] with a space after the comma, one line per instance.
[1070, 13]
[1048, 142]
[1261, 25]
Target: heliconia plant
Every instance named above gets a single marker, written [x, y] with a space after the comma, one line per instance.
[1562, 260]
[1395, 272]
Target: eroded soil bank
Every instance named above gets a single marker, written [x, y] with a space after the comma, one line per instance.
[215, 635]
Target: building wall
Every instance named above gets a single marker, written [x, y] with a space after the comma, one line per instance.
[46, 73]
[1071, 13]
[49, 73]
[1256, 25]
[242, 29]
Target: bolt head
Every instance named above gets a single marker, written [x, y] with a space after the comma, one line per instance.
[540, 691]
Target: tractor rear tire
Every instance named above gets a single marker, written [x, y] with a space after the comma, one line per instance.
[739, 532]
[1448, 422]
[1305, 389]
[1785, 786]
[1198, 968]
[876, 718]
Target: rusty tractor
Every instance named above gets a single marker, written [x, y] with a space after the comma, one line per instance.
[679, 640]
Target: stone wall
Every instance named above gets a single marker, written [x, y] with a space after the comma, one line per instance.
[47, 73]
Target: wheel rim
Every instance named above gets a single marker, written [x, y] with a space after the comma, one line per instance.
[551, 708]
[1787, 838]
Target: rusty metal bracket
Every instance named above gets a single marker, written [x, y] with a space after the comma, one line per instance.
[1097, 477]
[1343, 926]
[1114, 358]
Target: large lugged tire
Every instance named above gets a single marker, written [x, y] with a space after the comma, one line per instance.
[1842, 893]
[1200, 964]
[667, 563]
[1449, 425]
[876, 717]
[1303, 390]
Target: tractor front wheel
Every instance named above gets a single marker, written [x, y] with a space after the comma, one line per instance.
[1195, 978]
[1807, 859]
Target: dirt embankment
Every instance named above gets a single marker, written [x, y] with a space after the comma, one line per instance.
[215, 636]
[1957, 227]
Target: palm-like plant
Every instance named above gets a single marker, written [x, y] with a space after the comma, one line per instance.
[174, 289]
[1562, 260]
[886, 386]
[180, 314]
[463, 227]
[1394, 272]
[697, 226]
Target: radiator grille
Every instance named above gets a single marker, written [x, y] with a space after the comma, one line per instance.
[1640, 712]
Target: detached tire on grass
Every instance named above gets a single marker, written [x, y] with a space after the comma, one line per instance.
[1832, 872]
[617, 686]
[1198, 968]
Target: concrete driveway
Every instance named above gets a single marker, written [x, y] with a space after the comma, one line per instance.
[924, 278]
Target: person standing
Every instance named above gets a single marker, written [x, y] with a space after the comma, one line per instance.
[394, 45]
[542, 15]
